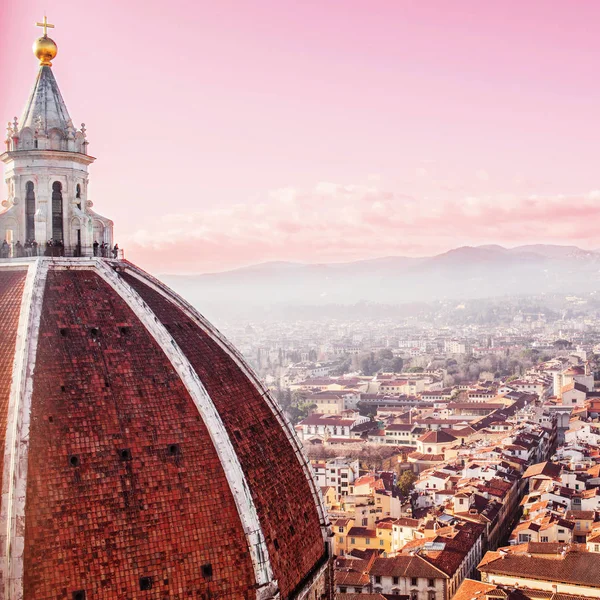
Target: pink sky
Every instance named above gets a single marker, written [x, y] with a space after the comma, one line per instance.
[235, 132]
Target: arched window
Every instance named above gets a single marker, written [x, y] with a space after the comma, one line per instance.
[29, 211]
[57, 212]
[78, 195]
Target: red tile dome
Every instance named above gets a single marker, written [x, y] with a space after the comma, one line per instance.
[141, 456]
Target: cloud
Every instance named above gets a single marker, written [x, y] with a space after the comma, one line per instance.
[336, 222]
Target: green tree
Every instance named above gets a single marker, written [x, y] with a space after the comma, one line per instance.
[343, 367]
[367, 364]
[562, 344]
[294, 356]
[385, 354]
[406, 483]
[298, 397]
[397, 365]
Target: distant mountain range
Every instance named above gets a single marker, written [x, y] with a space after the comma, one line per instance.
[463, 273]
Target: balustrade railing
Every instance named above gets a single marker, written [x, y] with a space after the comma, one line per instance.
[16, 251]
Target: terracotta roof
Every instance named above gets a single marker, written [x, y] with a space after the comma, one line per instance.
[437, 437]
[359, 596]
[406, 522]
[318, 419]
[426, 457]
[399, 427]
[405, 566]
[579, 568]
[580, 515]
[362, 532]
[365, 480]
[575, 370]
[574, 386]
[463, 432]
[550, 548]
[475, 405]
[546, 469]
[455, 549]
[470, 589]
[351, 577]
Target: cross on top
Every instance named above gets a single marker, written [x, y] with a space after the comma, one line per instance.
[45, 25]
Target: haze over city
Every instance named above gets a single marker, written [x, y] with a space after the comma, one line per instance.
[242, 132]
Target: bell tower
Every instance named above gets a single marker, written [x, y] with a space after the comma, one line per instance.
[46, 170]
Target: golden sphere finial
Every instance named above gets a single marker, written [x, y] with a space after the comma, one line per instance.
[45, 48]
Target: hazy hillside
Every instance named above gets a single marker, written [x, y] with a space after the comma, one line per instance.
[467, 272]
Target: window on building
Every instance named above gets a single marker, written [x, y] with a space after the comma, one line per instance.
[431, 596]
[413, 581]
[367, 541]
[544, 538]
[431, 583]
[461, 501]
[414, 595]
[341, 529]
[30, 211]
[381, 542]
[57, 211]
[395, 580]
[377, 579]
[365, 522]
[342, 590]
[352, 540]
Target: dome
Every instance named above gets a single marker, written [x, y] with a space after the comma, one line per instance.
[141, 456]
